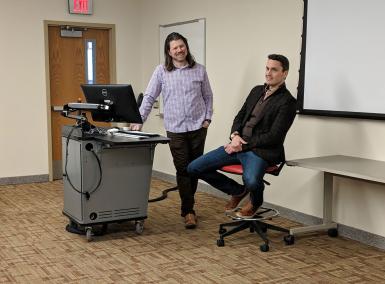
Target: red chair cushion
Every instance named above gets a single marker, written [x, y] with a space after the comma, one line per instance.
[238, 170]
[233, 169]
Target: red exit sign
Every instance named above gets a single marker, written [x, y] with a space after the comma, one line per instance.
[83, 7]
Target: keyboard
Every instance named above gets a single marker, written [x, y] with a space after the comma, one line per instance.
[139, 133]
[126, 135]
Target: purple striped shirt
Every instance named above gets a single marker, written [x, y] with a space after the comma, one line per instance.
[187, 97]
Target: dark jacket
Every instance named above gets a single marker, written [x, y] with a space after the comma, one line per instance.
[270, 131]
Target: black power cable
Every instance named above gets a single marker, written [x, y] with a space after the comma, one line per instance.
[100, 175]
[164, 194]
[87, 193]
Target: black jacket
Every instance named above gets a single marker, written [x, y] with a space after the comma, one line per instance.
[270, 131]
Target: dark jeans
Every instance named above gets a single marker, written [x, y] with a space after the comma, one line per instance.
[206, 166]
[186, 147]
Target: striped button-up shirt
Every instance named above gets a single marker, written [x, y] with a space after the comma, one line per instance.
[187, 97]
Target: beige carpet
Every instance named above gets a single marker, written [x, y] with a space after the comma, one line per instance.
[35, 248]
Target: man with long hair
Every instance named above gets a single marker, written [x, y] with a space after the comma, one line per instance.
[187, 102]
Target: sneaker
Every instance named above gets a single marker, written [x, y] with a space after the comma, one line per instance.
[247, 211]
[235, 201]
[190, 221]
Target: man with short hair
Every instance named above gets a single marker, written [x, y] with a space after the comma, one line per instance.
[257, 135]
[188, 107]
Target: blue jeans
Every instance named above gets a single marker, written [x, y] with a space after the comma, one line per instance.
[205, 167]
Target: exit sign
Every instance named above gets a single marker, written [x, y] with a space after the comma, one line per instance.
[83, 7]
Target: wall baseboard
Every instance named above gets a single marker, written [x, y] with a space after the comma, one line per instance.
[24, 179]
[343, 230]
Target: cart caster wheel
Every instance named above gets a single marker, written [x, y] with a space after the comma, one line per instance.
[104, 229]
[73, 224]
[89, 234]
[220, 242]
[289, 240]
[264, 247]
[333, 233]
[139, 226]
[222, 231]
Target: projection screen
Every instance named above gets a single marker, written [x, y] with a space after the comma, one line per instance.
[343, 59]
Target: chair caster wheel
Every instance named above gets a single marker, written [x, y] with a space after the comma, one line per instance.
[333, 233]
[222, 231]
[289, 240]
[252, 230]
[264, 229]
[264, 247]
[220, 243]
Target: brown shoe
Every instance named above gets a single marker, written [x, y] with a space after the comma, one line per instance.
[247, 211]
[235, 201]
[190, 221]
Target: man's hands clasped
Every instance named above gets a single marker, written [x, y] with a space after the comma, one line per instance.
[235, 145]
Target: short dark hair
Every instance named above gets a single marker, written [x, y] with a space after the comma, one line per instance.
[168, 59]
[283, 59]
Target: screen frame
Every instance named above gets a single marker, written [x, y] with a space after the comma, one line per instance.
[301, 86]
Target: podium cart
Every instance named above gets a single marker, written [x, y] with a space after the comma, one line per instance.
[106, 179]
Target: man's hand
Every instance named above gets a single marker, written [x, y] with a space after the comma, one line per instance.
[235, 145]
[136, 126]
[206, 124]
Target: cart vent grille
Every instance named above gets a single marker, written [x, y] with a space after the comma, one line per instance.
[126, 212]
[105, 214]
[120, 213]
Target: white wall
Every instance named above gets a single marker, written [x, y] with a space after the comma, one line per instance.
[23, 107]
[240, 34]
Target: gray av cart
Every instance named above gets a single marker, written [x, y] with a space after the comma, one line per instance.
[106, 179]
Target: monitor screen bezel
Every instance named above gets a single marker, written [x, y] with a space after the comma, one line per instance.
[123, 108]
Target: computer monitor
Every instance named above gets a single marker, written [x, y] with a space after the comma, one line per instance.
[123, 106]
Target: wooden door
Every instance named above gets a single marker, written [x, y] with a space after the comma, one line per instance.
[67, 69]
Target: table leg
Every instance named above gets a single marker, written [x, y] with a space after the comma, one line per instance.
[327, 210]
[328, 198]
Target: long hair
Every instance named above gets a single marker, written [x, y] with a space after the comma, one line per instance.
[168, 59]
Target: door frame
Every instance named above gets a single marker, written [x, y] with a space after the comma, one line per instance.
[112, 59]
